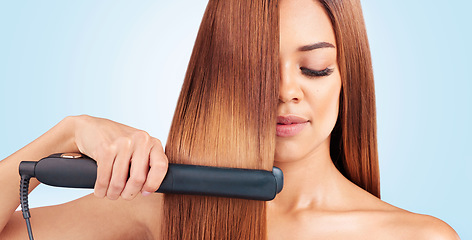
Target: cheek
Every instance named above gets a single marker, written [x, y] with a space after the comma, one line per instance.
[324, 101]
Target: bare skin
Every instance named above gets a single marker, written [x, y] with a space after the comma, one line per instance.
[116, 218]
[317, 201]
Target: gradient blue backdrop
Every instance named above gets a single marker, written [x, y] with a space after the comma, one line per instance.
[125, 60]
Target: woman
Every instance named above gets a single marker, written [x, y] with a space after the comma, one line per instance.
[330, 192]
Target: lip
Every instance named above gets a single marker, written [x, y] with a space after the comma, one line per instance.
[290, 125]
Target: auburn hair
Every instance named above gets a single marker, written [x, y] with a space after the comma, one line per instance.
[226, 112]
[226, 117]
[353, 145]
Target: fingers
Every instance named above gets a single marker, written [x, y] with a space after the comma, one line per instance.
[106, 157]
[139, 168]
[148, 168]
[159, 164]
[129, 166]
[120, 169]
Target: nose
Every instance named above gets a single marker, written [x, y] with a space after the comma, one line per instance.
[289, 88]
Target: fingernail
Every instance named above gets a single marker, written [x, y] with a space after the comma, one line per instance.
[145, 193]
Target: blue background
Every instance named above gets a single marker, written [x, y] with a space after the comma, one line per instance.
[126, 60]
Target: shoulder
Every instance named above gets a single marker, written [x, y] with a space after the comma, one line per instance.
[118, 219]
[139, 218]
[403, 224]
[130, 219]
[420, 226]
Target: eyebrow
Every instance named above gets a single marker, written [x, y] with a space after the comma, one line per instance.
[316, 46]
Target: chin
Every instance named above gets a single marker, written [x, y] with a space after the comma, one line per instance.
[284, 154]
[292, 151]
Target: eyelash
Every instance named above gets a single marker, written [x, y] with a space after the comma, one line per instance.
[313, 73]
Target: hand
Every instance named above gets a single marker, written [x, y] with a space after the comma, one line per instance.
[119, 149]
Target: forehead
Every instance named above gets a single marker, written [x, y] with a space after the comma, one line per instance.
[303, 22]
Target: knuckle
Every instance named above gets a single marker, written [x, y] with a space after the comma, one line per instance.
[142, 135]
[159, 169]
[115, 185]
[112, 196]
[151, 186]
[157, 141]
[124, 142]
[137, 180]
[128, 197]
[101, 183]
[161, 163]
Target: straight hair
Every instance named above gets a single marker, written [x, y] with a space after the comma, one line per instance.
[226, 112]
[226, 117]
[353, 143]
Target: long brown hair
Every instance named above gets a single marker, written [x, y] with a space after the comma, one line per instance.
[226, 116]
[354, 137]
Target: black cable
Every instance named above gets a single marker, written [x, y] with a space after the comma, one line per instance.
[24, 185]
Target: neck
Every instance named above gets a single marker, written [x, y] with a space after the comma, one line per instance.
[312, 182]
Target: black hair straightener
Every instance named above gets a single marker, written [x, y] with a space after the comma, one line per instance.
[76, 170]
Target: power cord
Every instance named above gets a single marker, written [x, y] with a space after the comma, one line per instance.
[24, 185]
[26, 172]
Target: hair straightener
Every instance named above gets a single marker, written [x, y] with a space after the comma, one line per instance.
[76, 170]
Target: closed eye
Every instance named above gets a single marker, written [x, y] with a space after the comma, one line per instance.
[313, 73]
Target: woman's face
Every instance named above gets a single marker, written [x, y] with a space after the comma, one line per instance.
[310, 81]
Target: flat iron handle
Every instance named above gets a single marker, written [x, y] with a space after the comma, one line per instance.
[80, 171]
